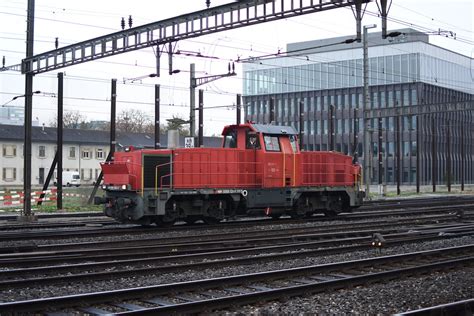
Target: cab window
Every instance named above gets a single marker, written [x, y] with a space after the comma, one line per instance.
[230, 140]
[271, 143]
[293, 143]
[252, 141]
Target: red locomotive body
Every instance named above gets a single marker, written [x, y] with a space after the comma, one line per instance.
[258, 170]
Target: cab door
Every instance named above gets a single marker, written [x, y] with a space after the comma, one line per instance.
[272, 162]
[291, 160]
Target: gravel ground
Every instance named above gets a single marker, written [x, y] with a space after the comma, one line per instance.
[159, 278]
[377, 299]
[156, 233]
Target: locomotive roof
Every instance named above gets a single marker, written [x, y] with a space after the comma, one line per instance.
[274, 129]
[265, 129]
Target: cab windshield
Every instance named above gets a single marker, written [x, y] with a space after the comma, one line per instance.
[230, 140]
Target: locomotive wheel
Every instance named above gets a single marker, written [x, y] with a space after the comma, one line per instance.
[145, 222]
[334, 208]
[168, 219]
[301, 209]
[211, 220]
[191, 219]
[215, 215]
[162, 222]
[275, 216]
[330, 213]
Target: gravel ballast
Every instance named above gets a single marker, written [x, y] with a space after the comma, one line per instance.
[395, 294]
[382, 299]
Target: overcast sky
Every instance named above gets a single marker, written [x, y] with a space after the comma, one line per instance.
[87, 86]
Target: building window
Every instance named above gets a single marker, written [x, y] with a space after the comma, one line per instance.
[42, 151]
[383, 102]
[413, 97]
[86, 174]
[9, 150]
[9, 174]
[406, 149]
[390, 149]
[86, 153]
[325, 127]
[99, 153]
[72, 152]
[413, 148]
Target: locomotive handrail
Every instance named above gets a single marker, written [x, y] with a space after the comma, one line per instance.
[239, 183]
[161, 179]
[340, 169]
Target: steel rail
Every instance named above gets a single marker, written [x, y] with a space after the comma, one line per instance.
[167, 267]
[239, 235]
[465, 307]
[333, 276]
[88, 232]
[163, 249]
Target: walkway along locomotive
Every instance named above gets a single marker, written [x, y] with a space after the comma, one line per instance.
[258, 171]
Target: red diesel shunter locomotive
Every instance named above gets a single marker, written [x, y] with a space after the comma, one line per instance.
[258, 171]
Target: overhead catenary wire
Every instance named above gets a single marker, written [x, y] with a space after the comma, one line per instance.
[240, 78]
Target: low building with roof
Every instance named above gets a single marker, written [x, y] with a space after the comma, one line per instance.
[83, 151]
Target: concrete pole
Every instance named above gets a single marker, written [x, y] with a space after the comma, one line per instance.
[366, 110]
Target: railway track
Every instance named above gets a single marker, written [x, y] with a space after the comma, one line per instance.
[31, 253]
[64, 269]
[85, 219]
[218, 293]
[463, 210]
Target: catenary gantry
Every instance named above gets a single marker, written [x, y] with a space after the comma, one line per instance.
[216, 19]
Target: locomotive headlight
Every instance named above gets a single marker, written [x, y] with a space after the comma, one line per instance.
[124, 187]
[104, 187]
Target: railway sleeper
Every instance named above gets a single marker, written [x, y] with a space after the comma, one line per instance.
[186, 297]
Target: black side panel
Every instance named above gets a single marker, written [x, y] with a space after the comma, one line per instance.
[262, 198]
[150, 162]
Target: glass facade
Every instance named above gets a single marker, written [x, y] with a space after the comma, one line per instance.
[331, 89]
[429, 64]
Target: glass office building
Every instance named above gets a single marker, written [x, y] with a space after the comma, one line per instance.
[413, 86]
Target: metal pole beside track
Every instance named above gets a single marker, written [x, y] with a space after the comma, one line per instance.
[113, 108]
[433, 154]
[157, 116]
[239, 109]
[301, 120]
[398, 150]
[59, 194]
[192, 92]
[448, 156]
[201, 118]
[27, 213]
[462, 155]
[366, 109]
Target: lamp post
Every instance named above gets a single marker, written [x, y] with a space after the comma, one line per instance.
[366, 109]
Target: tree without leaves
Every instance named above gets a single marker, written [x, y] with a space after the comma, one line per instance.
[71, 119]
[134, 121]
